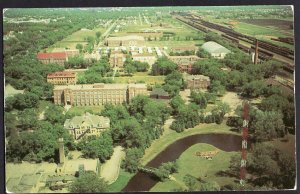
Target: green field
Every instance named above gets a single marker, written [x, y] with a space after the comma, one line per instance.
[79, 110]
[140, 77]
[77, 37]
[197, 166]
[121, 182]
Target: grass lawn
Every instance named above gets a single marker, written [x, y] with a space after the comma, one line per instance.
[169, 136]
[77, 37]
[121, 182]
[82, 109]
[196, 166]
[140, 76]
[254, 30]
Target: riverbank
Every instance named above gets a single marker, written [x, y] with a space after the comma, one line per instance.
[170, 136]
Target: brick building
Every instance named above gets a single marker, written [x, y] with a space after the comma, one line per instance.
[197, 81]
[56, 57]
[117, 59]
[150, 59]
[185, 63]
[130, 40]
[179, 49]
[62, 78]
[97, 94]
[72, 53]
[86, 125]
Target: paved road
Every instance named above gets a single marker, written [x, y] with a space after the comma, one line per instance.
[110, 169]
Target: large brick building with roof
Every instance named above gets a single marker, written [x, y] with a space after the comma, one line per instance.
[62, 78]
[130, 40]
[86, 125]
[55, 57]
[97, 94]
[185, 63]
[197, 81]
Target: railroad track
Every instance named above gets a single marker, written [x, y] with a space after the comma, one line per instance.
[266, 50]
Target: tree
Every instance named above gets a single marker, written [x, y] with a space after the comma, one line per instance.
[165, 169]
[79, 47]
[217, 88]
[176, 102]
[191, 182]
[173, 83]
[98, 34]
[28, 118]
[163, 66]
[101, 147]
[10, 123]
[199, 98]
[132, 160]
[140, 66]
[129, 68]
[254, 89]
[267, 125]
[54, 114]
[88, 182]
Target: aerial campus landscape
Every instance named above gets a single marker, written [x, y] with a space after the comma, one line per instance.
[149, 99]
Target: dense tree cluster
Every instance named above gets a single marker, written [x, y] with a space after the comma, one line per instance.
[268, 167]
[164, 171]
[174, 83]
[136, 126]
[96, 72]
[163, 66]
[88, 182]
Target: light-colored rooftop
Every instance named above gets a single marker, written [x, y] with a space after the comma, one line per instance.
[213, 47]
[97, 86]
[193, 77]
[129, 37]
[71, 166]
[90, 119]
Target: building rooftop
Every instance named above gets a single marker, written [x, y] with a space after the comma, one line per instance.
[129, 37]
[71, 166]
[97, 86]
[55, 55]
[142, 55]
[213, 47]
[62, 74]
[184, 57]
[89, 119]
[159, 91]
[193, 77]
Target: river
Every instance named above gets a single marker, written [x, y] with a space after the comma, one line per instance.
[144, 182]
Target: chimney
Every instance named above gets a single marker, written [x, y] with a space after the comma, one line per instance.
[61, 150]
[256, 52]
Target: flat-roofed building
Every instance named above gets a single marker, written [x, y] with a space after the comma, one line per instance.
[96, 94]
[185, 63]
[72, 53]
[130, 40]
[55, 57]
[86, 125]
[150, 59]
[148, 34]
[159, 93]
[62, 78]
[117, 59]
[215, 50]
[197, 81]
[179, 49]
